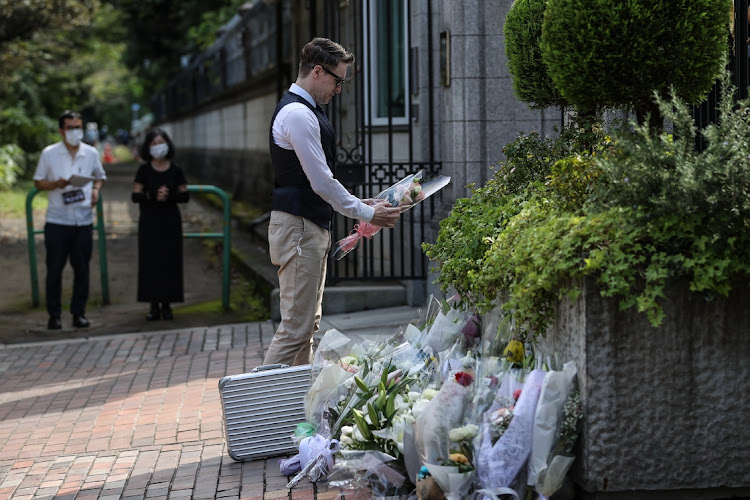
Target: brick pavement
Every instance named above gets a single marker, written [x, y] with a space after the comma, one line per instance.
[130, 417]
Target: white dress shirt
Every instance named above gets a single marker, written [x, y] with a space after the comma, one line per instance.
[56, 163]
[297, 128]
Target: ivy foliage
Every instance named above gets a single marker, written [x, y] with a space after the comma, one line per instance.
[640, 211]
[605, 54]
[523, 32]
[473, 226]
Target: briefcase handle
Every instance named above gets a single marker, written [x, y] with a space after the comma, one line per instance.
[274, 366]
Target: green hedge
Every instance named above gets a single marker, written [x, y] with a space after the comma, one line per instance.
[523, 32]
[604, 53]
[641, 210]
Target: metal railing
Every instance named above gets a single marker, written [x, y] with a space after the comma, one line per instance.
[738, 63]
[225, 235]
[30, 231]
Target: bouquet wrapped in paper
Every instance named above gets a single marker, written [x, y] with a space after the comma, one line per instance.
[372, 471]
[406, 193]
[438, 430]
[555, 431]
[315, 459]
[500, 458]
[337, 360]
[377, 417]
[556, 388]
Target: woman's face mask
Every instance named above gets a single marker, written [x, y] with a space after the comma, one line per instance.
[159, 151]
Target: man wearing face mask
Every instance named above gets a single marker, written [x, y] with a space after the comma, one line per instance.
[68, 228]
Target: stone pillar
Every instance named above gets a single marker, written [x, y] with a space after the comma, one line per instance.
[479, 112]
[666, 410]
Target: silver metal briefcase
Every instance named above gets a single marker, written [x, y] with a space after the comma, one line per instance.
[262, 409]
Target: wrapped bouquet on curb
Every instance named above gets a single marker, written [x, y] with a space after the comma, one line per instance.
[406, 193]
[451, 408]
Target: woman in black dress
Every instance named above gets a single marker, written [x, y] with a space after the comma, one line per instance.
[159, 185]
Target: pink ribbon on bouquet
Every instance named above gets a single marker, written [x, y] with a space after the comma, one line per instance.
[361, 230]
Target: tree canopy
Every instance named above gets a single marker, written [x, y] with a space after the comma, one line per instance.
[160, 33]
[96, 56]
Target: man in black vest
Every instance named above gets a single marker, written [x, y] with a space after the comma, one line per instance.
[303, 153]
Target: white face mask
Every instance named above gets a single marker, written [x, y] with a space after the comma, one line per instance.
[159, 151]
[74, 136]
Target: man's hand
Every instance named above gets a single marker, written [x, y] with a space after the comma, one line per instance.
[385, 214]
[45, 185]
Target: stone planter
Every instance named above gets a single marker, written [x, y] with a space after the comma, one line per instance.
[666, 410]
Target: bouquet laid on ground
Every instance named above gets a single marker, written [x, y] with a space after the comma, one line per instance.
[438, 410]
[406, 193]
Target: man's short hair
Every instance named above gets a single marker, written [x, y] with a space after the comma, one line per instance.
[325, 52]
[68, 115]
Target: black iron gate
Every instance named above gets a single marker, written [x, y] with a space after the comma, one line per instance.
[380, 138]
[738, 63]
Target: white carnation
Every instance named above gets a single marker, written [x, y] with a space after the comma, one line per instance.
[428, 394]
[414, 395]
[463, 433]
[419, 407]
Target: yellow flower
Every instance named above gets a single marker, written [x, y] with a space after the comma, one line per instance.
[459, 458]
[514, 351]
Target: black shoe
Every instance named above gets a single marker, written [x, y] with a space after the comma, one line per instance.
[166, 312]
[155, 313]
[80, 321]
[54, 323]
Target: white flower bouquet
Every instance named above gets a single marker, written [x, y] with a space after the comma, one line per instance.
[473, 416]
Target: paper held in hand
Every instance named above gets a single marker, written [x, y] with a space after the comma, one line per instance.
[79, 180]
[407, 193]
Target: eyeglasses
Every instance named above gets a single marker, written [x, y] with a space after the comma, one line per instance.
[339, 81]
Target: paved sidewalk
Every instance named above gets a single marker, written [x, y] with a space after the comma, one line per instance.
[137, 416]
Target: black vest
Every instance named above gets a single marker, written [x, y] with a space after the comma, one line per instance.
[292, 192]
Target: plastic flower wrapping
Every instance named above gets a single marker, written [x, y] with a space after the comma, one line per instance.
[406, 193]
[452, 406]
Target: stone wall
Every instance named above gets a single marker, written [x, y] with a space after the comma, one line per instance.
[666, 409]
[227, 145]
[246, 175]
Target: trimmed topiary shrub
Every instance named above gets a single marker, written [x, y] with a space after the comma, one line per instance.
[523, 32]
[615, 54]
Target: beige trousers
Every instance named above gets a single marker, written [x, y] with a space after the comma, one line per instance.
[300, 248]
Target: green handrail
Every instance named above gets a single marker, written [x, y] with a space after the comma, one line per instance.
[226, 235]
[30, 231]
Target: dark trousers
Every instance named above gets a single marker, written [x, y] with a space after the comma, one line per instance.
[63, 243]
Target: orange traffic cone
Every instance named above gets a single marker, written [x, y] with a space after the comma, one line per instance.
[108, 157]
